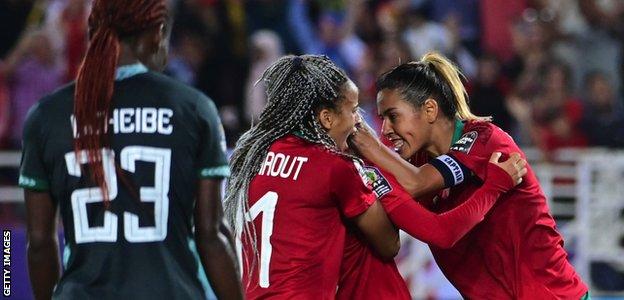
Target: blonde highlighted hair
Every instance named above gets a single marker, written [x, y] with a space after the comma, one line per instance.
[434, 76]
[453, 77]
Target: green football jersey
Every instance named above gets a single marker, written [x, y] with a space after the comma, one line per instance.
[164, 137]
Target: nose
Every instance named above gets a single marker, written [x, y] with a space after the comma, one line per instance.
[358, 118]
[386, 128]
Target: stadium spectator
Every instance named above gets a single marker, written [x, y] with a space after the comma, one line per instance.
[487, 93]
[603, 115]
[496, 20]
[423, 35]
[13, 20]
[466, 12]
[32, 70]
[557, 111]
[332, 34]
[605, 39]
[266, 48]
[5, 113]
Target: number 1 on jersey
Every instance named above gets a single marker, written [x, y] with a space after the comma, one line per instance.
[266, 206]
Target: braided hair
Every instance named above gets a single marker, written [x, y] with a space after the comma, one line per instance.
[110, 22]
[297, 88]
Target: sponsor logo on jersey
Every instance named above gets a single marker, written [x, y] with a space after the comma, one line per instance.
[464, 144]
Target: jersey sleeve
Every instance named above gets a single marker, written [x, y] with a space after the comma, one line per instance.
[350, 188]
[386, 188]
[33, 174]
[212, 157]
[444, 230]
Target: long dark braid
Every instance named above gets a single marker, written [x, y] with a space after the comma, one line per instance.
[297, 88]
[110, 22]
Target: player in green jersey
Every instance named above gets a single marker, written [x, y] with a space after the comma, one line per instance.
[134, 161]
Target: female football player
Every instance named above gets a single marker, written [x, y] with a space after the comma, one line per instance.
[134, 160]
[516, 252]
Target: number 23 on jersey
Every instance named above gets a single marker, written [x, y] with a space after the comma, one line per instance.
[157, 194]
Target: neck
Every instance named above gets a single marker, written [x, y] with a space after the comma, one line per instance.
[441, 137]
[126, 55]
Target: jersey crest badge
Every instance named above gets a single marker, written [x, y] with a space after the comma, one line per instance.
[378, 183]
[464, 144]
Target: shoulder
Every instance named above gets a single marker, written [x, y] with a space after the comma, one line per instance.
[166, 84]
[52, 103]
[335, 163]
[481, 135]
[345, 168]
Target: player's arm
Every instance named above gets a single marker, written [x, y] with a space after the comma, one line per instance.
[42, 242]
[379, 230]
[214, 242]
[44, 266]
[442, 172]
[445, 229]
[358, 203]
[417, 181]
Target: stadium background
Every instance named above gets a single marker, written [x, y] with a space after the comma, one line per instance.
[550, 72]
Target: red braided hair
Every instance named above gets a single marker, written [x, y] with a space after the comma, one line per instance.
[110, 21]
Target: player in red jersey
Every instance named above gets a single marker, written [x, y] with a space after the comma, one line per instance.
[366, 276]
[296, 188]
[293, 184]
[516, 252]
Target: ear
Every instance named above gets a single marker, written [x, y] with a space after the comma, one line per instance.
[430, 110]
[326, 117]
[156, 36]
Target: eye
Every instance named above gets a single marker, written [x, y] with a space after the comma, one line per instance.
[392, 116]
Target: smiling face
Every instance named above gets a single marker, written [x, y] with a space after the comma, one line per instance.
[340, 122]
[404, 125]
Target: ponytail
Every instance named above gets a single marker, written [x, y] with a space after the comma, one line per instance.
[93, 95]
[434, 76]
[452, 76]
[110, 20]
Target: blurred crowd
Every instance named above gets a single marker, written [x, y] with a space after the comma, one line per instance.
[550, 72]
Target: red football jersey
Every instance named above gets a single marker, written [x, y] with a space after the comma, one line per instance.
[364, 275]
[516, 252]
[297, 203]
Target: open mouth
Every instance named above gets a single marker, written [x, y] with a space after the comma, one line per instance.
[397, 144]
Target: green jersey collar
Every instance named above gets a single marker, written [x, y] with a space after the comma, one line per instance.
[128, 71]
[459, 129]
[298, 133]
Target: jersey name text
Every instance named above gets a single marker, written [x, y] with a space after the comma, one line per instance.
[281, 165]
[138, 120]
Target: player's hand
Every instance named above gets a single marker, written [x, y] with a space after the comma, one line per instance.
[364, 140]
[515, 166]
